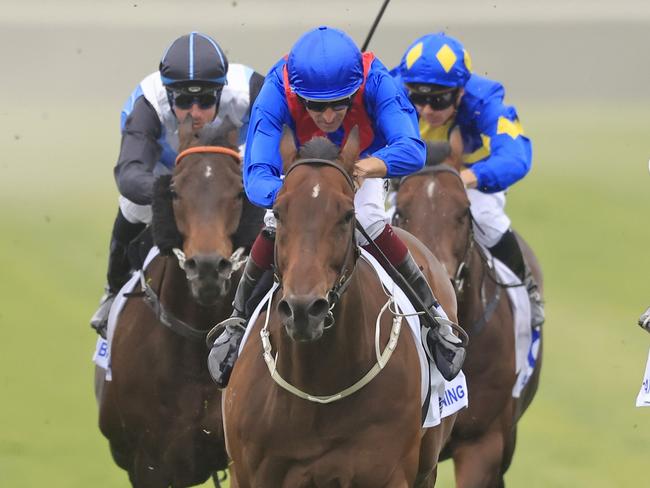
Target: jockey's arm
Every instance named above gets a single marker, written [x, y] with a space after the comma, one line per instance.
[262, 162]
[139, 152]
[395, 119]
[510, 151]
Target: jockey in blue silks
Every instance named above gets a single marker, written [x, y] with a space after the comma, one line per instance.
[194, 77]
[325, 87]
[454, 103]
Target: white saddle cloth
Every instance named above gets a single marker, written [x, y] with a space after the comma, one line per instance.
[643, 398]
[447, 397]
[527, 340]
[102, 355]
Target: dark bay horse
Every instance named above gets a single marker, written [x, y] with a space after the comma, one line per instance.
[433, 205]
[327, 426]
[161, 412]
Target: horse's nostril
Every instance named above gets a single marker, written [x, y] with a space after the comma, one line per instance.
[224, 266]
[190, 264]
[284, 309]
[319, 308]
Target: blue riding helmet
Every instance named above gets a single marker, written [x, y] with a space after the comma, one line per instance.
[325, 64]
[194, 63]
[436, 59]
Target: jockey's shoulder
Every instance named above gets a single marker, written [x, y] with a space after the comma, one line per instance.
[479, 93]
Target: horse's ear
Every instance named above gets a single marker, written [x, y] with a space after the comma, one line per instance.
[455, 158]
[288, 149]
[186, 133]
[351, 149]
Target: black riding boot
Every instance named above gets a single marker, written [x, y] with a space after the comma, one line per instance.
[119, 269]
[445, 348]
[508, 251]
[223, 354]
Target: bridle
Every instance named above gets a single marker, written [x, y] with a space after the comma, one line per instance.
[458, 280]
[345, 273]
[237, 258]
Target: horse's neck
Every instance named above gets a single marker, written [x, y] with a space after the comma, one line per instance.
[175, 296]
[346, 350]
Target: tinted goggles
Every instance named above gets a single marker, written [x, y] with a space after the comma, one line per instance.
[184, 101]
[321, 106]
[437, 101]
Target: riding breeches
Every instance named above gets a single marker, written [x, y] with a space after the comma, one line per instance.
[134, 213]
[488, 211]
[368, 206]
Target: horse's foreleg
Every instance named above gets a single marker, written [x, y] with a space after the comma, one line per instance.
[477, 464]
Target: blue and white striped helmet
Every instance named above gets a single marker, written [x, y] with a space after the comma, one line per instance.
[194, 60]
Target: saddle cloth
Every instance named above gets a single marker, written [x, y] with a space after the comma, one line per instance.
[444, 397]
[527, 340]
[102, 355]
[643, 398]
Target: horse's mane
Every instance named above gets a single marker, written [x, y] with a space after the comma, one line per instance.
[319, 148]
[214, 136]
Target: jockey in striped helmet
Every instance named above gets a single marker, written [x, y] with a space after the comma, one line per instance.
[195, 78]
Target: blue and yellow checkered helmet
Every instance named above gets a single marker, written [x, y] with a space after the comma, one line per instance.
[436, 59]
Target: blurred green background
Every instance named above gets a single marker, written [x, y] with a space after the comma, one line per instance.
[578, 73]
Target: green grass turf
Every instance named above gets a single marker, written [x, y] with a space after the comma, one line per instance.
[584, 208]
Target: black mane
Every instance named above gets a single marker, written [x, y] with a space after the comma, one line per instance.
[319, 148]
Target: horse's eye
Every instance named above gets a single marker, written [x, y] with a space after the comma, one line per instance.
[347, 218]
[241, 194]
[276, 215]
[172, 193]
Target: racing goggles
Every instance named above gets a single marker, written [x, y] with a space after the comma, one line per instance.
[185, 100]
[321, 106]
[437, 101]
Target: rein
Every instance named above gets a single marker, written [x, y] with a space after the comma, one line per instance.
[208, 149]
[464, 266]
[169, 320]
[382, 357]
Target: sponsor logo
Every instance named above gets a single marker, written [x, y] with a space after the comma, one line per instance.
[452, 395]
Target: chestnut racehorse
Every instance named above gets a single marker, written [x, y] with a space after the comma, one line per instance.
[433, 205]
[317, 425]
[161, 412]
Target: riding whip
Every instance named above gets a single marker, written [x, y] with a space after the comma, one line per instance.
[374, 25]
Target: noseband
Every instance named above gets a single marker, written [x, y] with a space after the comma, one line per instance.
[237, 258]
[345, 274]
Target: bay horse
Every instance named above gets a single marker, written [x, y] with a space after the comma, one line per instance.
[319, 339]
[161, 412]
[433, 205]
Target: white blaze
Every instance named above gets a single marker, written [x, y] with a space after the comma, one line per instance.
[208, 171]
[315, 191]
[430, 188]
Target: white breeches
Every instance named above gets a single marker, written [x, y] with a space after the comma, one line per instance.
[488, 210]
[369, 209]
[134, 213]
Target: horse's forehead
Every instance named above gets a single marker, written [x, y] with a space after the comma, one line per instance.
[212, 170]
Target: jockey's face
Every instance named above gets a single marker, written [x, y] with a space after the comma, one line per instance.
[200, 116]
[329, 120]
[436, 118]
